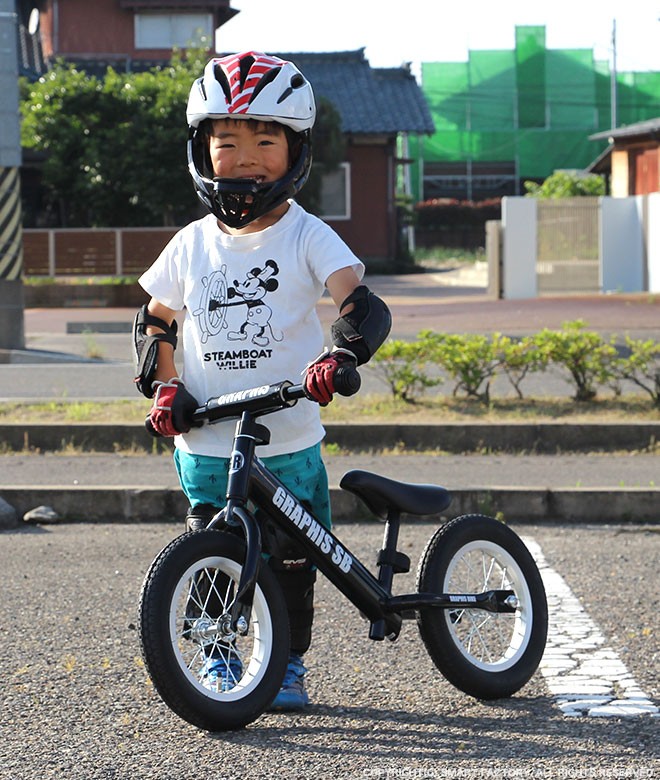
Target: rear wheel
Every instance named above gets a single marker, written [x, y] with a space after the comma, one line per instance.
[185, 606]
[488, 655]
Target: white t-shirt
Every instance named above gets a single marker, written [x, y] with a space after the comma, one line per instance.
[250, 317]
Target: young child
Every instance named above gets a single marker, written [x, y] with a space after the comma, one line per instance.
[249, 276]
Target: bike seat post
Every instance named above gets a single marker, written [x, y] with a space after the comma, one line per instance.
[389, 562]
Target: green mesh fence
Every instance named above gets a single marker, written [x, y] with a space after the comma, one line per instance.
[533, 107]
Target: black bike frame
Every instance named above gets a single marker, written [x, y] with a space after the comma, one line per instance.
[250, 480]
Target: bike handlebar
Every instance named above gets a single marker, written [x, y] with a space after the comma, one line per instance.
[264, 400]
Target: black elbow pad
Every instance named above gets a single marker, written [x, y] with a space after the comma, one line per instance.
[365, 327]
[145, 348]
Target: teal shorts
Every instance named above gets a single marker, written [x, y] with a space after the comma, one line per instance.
[203, 478]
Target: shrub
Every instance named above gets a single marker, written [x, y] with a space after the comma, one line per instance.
[588, 359]
[566, 184]
[470, 360]
[443, 213]
[642, 366]
[401, 364]
[518, 358]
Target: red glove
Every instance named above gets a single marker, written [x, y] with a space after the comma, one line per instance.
[172, 409]
[319, 381]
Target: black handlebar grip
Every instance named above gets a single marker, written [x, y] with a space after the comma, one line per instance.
[346, 380]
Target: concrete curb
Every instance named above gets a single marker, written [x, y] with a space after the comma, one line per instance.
[516, 504]
[142, 504]
[541, 438]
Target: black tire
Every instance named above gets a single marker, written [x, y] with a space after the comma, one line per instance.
[485, 654]
[188, 587]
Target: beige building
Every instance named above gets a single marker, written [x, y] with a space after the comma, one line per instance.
[631, 161]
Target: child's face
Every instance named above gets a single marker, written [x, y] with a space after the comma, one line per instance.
[243, 149]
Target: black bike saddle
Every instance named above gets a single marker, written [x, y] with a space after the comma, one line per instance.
[381, 493]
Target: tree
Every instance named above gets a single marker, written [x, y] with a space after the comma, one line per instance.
[328, 148]
[115, 147]
[566, 184]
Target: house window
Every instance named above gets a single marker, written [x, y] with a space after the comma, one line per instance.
[336, 193]
[164, 31]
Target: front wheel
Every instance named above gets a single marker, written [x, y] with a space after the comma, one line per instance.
[208, 675]
[488, 655]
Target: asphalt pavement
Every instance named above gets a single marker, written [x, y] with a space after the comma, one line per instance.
[78, 705]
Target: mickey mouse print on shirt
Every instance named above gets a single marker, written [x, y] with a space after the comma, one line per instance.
[252, 290]
[253, 326]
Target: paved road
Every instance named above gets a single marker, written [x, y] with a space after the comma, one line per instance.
[455, 471]
[76, 702]
[441, 302]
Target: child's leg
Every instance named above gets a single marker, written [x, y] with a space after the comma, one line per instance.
[298, 589]
[304, 474]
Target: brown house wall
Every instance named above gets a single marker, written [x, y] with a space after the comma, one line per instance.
[644, 163]
[371, 231]
[80, 27]
[635, 168]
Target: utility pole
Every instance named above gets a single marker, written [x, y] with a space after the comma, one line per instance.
[613, 97]
[12, 334]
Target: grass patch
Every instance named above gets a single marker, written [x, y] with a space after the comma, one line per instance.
[120, 412]
[373, 408]
[440, 409]
[64, 281]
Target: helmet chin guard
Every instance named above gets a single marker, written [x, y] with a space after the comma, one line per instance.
[249, 86]
[237, 202]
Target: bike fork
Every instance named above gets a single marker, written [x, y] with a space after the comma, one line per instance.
[242, 606]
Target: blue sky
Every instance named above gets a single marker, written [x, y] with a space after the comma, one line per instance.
[441, 31]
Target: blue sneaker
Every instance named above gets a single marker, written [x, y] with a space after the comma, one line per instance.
[292, 695]
[219, 675]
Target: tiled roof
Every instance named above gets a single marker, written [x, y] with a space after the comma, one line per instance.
[369, 100]
[649, 127]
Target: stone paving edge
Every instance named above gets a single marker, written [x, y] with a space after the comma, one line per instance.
[128, 504]
[456, 437]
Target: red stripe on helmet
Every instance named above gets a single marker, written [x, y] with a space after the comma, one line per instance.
[241, 92]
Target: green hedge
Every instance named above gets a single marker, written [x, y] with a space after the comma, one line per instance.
[470, 362]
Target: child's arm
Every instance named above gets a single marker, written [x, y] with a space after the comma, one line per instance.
[165, 366]
[172, 402]
[340, 285]
[363, 324]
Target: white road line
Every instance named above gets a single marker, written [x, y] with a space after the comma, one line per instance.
[584, 675]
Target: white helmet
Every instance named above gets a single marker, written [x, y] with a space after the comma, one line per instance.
[255, 86]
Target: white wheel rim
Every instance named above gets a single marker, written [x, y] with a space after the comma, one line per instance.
[490, 641]
[255, 648]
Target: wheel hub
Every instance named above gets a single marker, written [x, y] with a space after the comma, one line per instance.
[204, 629]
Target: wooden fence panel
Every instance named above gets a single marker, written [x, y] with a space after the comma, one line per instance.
[93, 251]
[141, 247]
[35, 252]
[85, 252]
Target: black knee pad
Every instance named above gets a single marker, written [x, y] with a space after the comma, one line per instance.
[298, 589]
